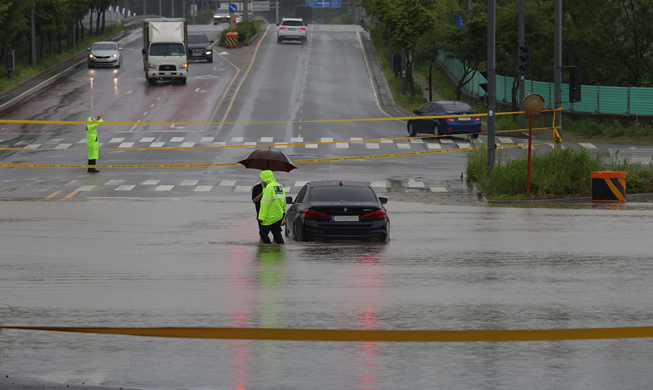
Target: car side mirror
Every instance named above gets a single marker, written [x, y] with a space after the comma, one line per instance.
[143, 51]
[120, 49]
[277, 24]
[289, 200]
[88, 49]
[383, 200]
[416, 112]
[211, 42]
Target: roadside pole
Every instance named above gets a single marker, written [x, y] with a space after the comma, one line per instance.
[557, 64]
[521, 41]
[33, 39]
[491, 83]
[277, 11]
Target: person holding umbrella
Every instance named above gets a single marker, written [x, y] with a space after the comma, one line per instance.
[269, 160]
[272, 213]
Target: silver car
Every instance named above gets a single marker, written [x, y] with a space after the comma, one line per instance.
[291, 29]
[104, 54]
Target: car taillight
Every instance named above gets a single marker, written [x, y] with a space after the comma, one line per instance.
[312, 214]
[378, 214]
[478, 118]
[302, 28]
[282, 28]
[448, 119]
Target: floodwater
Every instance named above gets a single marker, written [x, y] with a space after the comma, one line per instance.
[196, 262]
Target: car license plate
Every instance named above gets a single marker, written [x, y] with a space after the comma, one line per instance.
[292, 29]
[464, 118]
[197, 51]
[344, 218]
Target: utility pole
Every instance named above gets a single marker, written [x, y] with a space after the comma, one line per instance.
[521, 40]
[173, 9]
[557, 63]
[183, 9]
[144, 7]
[245, 11]
[277, 11]
[491, 82]
[33, 38]
[403, 72]
[160, 9]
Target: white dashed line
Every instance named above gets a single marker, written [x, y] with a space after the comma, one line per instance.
[126, 145]
[125, 188]
[177, 139]
[151, 182]
[342, 145]
[378, 184]
[438, 189]
[188, 144]
[227, 183]
[403, 146]
[113, 182]
[433, 146]
[326, 139]
[267, 139]
[63, 146]
[207, 139]
[311, 146]
[203, 188]
[157, 144]
[237, 139]
[116, 140]
[164, 188]
[372, 145]
[189, 182]
[147, 139]
[86, 188]
[242, 189]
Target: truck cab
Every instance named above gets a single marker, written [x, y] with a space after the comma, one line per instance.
[165, 50]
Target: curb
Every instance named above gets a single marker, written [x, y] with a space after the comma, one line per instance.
[43, 75]
[629, 198]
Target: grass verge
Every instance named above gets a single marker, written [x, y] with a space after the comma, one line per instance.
[24, 71]
[562, 174]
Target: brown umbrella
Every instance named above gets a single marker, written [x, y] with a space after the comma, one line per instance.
[263, 159]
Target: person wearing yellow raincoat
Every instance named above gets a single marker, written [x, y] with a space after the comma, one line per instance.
[272, 213]
[92, 144]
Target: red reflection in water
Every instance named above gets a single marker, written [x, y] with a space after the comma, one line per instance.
[240, 293]
[369, 282]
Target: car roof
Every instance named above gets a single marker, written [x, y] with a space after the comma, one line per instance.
[103, 42]
[336, 183]
[298, 19]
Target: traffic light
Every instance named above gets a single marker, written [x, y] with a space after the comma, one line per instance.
[484, 86]
[574, 84]
[524, 59]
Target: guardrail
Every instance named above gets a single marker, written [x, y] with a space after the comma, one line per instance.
[137, 21]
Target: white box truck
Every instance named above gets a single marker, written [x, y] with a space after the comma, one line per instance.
[165, 50]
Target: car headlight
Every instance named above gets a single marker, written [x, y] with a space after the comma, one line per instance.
[185, 66]
[151, 66]
[114, 56]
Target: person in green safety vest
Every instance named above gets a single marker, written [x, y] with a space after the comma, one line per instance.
[272, 213]
[92, 144]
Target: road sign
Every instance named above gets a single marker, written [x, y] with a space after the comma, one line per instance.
[323, 3]
[233, 16]
[233, 8]
[193, 10]
[233, 26]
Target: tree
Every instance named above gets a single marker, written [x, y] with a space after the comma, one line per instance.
[14, 21]
[468, 44]
[405, 21]
[433, 41]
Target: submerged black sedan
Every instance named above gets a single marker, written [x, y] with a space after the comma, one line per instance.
[337, 211]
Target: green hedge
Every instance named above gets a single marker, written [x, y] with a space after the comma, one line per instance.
[245, 30]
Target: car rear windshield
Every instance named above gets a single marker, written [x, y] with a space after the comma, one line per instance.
[456, 107]
[344, 194]
[103, 46]
[166, 49]
[292, 23]
[198, 39]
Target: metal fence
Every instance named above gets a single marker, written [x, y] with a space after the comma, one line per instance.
[112, 15]
[595, 98]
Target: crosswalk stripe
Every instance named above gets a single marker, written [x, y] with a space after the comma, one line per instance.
[164, 187]
[403, 146]
[177, 139]
[127, 187]
[203, 188]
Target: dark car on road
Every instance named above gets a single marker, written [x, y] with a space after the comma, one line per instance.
[337, 211]
[199, 47]
[446, 125]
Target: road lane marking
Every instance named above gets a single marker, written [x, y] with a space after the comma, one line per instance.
[50, 196]
[164, 188]
[151, 182]
[69, 196]
[251, 65]
[125, 187]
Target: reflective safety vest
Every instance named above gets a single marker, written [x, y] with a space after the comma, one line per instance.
[92, 144]
[273, 202]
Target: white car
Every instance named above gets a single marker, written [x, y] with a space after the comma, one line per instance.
[291, 29]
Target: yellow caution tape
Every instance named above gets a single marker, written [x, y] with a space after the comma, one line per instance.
[263, 145]
[417, 336]
[26, 121]
[234, 164]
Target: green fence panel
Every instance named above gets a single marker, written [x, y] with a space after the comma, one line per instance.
[613, 100]
[610, 99]
[641, 101]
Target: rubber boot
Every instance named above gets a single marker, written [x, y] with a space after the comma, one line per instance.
[92, 170]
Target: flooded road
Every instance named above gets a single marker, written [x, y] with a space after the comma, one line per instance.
[192, 262]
